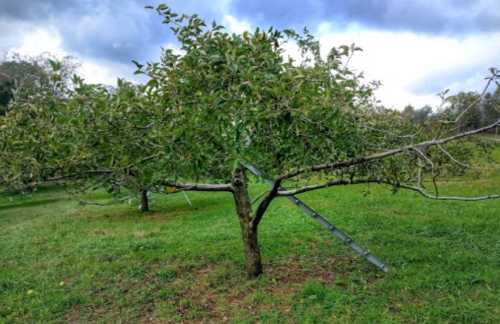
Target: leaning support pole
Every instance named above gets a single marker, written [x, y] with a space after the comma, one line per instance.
[187, 199]
[338, 233]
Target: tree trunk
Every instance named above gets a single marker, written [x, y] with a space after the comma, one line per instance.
[144, 201]
[248, 232]
[252, 250]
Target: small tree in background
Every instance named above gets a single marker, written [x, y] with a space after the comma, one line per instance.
[490, 108]
[110, 134]
[28, 151]
[63, 129]
[6, 92]
[419, 116]
[467, 106]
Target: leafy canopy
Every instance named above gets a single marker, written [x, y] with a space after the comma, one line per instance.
[229, 97]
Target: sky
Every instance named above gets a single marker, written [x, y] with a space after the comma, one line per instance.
[415, 48]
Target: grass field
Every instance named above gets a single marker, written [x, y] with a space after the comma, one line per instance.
[63, 262]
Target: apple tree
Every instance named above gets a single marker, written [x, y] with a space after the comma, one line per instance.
[233, 98]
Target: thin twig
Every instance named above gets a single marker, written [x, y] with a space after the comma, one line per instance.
[448, 154]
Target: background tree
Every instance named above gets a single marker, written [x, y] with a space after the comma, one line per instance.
[20, 76]
[58, 127]
[465, 105]
[6, 89]
[490, 107]
[418, 116]
[112, 131]
[27, 139]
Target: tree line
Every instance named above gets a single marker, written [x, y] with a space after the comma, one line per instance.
[476, 110]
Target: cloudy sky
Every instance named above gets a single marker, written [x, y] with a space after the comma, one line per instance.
[416, 48]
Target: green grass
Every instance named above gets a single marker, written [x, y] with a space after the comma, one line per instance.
[63, 262]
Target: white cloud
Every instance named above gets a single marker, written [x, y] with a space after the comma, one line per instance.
[405, 62]
[9, 34]
[235, 25]
[38, 41]
[47, 40]
[104, 72]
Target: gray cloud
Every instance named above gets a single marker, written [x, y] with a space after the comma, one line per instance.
[119, 33]
[101, 29]
[441, 80]
[34, 10]
[450, 16]
[124, 30]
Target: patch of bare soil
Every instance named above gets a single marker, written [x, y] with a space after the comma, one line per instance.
[218, 292]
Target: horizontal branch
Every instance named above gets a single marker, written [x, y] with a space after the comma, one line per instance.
[417, 189]
[94, 203]
[383, 131]
[198, 186]
[338, 182]
[385, 154]
[428, 195]
[83, 174]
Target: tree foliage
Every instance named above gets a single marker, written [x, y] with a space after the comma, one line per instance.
[234, 97]
[28, 131]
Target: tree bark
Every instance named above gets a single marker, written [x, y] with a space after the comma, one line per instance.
[248, 231]
[252, 250]
[144, 201]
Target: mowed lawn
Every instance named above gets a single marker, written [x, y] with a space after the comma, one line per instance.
[64, 262]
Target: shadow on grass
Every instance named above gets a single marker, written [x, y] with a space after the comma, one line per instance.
[30, 203]
[161, 210]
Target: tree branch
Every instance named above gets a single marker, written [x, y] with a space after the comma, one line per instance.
[417, 189]
[428, 195]
[338, 182]
[259, 213]
[452, 158]
[384, 154]
[475, 102]
[199, 186]
[93, 203]
[79, 175]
